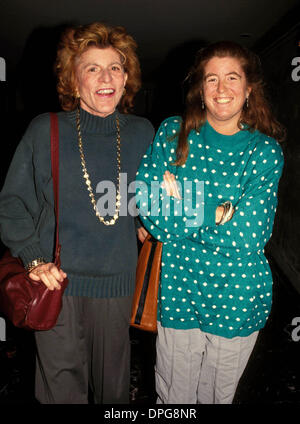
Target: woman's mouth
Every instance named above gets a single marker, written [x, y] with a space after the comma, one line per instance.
[105, 91]
[223, 100]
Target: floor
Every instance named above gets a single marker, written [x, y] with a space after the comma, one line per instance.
[271, 377]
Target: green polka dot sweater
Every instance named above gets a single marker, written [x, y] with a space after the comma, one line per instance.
[215, 278]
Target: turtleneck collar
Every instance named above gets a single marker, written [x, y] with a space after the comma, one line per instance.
[93, 124]
[214, 138]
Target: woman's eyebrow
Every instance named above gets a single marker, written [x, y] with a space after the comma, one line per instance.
[234, 73]
[210, 74]
[97, 64]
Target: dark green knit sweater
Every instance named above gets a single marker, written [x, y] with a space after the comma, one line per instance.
[100, 260]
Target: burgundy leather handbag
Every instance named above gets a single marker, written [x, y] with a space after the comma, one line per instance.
[26, 303]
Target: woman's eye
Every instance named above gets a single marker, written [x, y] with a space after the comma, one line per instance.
[211, 80]
[116, 68]
[93, 69]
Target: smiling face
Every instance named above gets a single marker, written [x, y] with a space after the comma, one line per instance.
[100, 80]
[225, 91]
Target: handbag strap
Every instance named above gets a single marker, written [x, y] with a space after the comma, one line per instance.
[55, 178]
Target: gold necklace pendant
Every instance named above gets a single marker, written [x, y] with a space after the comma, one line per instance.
[86, 176]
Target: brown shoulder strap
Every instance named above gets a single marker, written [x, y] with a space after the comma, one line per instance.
[55, 177]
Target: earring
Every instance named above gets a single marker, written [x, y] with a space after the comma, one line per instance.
[247, 102]
[202, 104]
[76, 94]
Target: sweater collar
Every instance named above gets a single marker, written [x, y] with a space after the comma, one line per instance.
[214, 138]
[93, 124]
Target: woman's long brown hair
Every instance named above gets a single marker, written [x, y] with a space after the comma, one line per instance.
[258, 114]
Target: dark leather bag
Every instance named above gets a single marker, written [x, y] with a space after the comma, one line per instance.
[26, 303]
[144, 306]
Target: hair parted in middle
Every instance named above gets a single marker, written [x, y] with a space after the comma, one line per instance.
[256, 115]
[77, 40]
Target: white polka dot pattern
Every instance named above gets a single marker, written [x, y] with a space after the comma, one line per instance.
[213, 277]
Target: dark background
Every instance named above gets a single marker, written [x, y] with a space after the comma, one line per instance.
[168, 34]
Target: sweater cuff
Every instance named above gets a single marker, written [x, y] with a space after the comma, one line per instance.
[30, 253]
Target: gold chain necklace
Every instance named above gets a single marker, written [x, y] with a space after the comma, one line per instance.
[86, 176]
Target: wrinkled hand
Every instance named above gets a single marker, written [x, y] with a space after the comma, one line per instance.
[49, 274]
[170, 185]
[142, 234]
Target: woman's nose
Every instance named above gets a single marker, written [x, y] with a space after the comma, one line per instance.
[105, 75]
[221, 86]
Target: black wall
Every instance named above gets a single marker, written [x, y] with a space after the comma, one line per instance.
[284, 86]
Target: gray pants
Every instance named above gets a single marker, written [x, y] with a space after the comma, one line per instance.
[196, 367]
[89, 347]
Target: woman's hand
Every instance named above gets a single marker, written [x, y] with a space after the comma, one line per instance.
[170, 185]
[49, 274]
[219, 214]
[142, 234]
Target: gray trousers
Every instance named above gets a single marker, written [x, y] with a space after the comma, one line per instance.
[196, 367]
[88, 347]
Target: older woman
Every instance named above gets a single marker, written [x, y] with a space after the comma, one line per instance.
[220, 165]
[101, 146]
